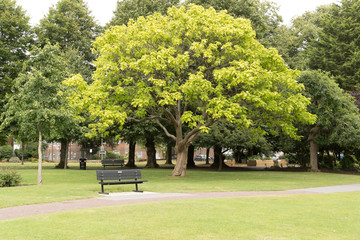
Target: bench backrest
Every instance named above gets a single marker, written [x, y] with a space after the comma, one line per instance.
[112, 161]
[118, 174]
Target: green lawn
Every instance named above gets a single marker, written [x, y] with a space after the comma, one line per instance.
[61, 185]
[317, 216]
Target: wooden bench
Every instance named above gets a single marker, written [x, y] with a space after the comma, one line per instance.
[107, 177]
[113, 162]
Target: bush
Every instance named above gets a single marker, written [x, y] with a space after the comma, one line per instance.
[9, 178]
[5, 152]
[112, 155]
[30, 151]
[348, 162]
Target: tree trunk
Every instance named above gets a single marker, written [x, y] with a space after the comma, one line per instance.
[168, 154]
[181, 160]
[63, 154]
[190, 160]
[151, 153]
[314, 148]
[217, 157]
[39, 178]
[207, 155]
[131, 161]
[22, 153]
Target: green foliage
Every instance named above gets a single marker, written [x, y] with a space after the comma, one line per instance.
[5, 152]
[30, 151]
[112, 155]
[70, 24]
[16, 38]
[9, 178]
[264, 17]
[338, 117]
[209, 61]
[348, 162]
[336, 48]
[37, 102]
[132, 9]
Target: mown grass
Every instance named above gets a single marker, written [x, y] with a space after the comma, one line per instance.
[61, 185]
[317, 216]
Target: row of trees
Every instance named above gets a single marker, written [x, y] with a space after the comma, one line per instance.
[181, 74]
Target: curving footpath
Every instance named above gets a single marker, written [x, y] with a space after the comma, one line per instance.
[133, 198]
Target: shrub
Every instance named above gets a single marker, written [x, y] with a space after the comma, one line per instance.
[30, 151]
[112, 155]
[9, 178]
[5, 152]
[348, 162]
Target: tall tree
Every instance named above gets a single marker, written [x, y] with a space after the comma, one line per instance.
[337, 46]
[132, 9]
[15, 41]
[338, 119]
[70, 24]
[190, 68]
[36, 104]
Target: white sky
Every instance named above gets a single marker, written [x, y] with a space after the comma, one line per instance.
[103, 9]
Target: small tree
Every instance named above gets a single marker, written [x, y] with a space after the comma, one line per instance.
[190, 68]
[37, 104]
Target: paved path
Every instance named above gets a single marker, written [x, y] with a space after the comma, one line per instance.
[132, 198]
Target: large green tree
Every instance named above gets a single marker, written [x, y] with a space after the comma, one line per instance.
[338, 119]
[15, 40]
[337, 46]
[190, 68]
[37, 105]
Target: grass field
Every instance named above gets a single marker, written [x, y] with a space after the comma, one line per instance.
[316, 216]
[60, 184]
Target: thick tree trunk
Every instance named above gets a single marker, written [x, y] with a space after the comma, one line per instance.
[181, 160]
[39, 178]
[168, 154]
[314, 148]
[151, 153]
[217, 157]
[63, 154]
[131, 160]
[190, 160]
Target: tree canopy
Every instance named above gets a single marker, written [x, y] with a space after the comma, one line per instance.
[70, 24]
[132, 9]
[192, 67]
[15, 41]
[337, 46]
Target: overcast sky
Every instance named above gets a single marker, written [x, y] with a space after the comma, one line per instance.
[103, 9]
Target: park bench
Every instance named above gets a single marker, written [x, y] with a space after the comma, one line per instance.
[112, 177]
[112, 162]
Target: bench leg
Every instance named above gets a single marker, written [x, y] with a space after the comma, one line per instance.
[102, 190]
[137, 189]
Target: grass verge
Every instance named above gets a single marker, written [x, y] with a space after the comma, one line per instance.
[317, 216]
[61, 185]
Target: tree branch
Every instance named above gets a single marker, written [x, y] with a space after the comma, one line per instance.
[165, 130]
